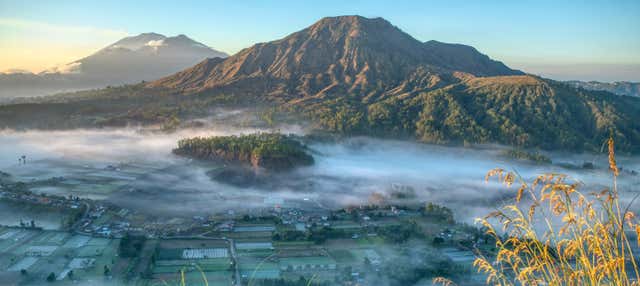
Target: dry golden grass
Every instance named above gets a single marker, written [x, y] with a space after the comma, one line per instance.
[588, 247]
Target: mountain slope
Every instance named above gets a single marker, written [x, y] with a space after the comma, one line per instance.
[337, 56]
[130, 60]
[527, 111]
[523, 111]
[465, 58]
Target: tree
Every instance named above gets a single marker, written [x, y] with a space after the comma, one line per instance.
[131, 245]
[51, 277]
[437, 241]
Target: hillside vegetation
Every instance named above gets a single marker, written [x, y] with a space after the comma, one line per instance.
[523, 111]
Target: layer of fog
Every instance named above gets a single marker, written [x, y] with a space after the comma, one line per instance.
[345, 173]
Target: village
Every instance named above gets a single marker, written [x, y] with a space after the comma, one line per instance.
[282, 241]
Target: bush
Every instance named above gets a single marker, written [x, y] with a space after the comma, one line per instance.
[527, 156]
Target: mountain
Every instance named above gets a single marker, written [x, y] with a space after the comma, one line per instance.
[358, 76]
[143, 57]
[338, 56]
[619, 87]
[130, 60]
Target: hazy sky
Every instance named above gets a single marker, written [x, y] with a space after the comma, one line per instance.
[560, 39]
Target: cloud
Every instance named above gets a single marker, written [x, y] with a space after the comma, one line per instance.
[71, 68]
[155, 44]
[56, 28]
[15, 71]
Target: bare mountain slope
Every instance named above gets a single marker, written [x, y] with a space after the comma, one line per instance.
[337, 56]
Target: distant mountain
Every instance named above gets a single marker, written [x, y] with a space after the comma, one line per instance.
[130, 60]
[619, 87]
[15, 71]
[358, 76]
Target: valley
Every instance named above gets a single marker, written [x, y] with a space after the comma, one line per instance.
[336, 220]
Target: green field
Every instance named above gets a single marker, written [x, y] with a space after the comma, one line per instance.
[169, 254]
[367, 241]
[284, 244]
[255, 253]
[216, 271]
[213, 278]
[342, 256]
[258, 268]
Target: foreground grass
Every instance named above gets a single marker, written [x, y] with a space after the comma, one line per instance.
[586, 239]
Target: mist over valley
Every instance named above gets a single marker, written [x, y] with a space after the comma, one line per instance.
[135, 168]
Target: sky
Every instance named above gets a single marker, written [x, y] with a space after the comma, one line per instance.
[587, 40]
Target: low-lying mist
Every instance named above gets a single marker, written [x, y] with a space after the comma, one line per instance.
[147, 177]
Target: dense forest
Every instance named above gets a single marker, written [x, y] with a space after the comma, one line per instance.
[271, 151]
[520, 111]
